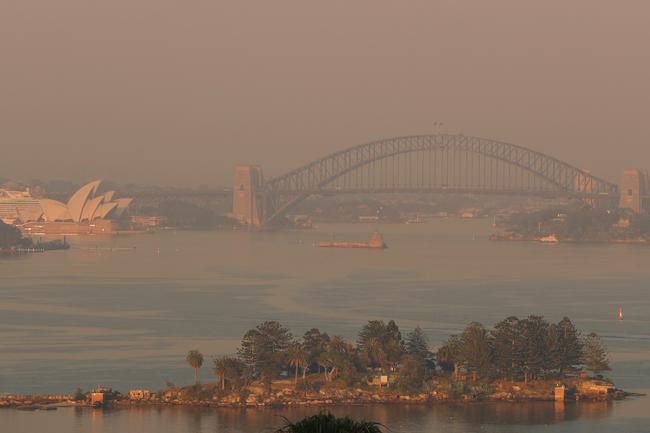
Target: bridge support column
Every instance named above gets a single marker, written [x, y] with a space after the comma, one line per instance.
[635, 190]
[248, 195]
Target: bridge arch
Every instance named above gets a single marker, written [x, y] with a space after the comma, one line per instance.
[440, 162]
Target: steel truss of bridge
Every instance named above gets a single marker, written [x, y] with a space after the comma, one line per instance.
[432, 163]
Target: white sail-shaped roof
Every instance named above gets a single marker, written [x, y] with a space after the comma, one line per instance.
[90, 208]
[54, 210]
[122, 205]
[108, 196]
[103, 210]
[78, 200]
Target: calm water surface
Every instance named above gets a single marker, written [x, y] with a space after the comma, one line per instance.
[124, 311]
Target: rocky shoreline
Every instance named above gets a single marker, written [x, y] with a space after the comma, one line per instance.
[284, 395]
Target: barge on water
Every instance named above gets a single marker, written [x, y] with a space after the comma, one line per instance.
[374, 242]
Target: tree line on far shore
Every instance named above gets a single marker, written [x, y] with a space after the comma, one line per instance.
[514, 349]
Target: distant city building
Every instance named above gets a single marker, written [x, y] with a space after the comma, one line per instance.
[635, 190]
[148, 221]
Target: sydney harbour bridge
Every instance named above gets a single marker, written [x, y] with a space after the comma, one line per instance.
[416, 164]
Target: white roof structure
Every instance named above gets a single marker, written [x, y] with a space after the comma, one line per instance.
[80, 198]
[85, 205]
[54, 210]
[103, 210]
[90, 208]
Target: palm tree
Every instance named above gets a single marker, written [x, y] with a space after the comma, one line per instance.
[195, 360]
[375, 352]
[228, 369]
[221, 369]
[325, 422]
[297, 359]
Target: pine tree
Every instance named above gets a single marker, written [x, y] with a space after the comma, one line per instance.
[417, 343]
[506, 339]
[476, 350]
[263, 349]
[565, 348]
[596, 357]
[532, 350]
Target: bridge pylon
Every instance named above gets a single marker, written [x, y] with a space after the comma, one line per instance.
[635, 190]
[248, 202]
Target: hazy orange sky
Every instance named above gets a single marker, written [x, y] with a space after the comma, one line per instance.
[157, 91]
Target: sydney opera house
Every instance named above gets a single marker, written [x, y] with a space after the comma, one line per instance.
[86, 212]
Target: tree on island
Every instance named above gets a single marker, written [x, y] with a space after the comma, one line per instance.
[263, 349]
[596, 357]
[506, 340]
[475, 351]
[338, 359]
[448, 355]
[230, 370]
[297, 359]
[532, 350]
[314, 343]
[413, 373]
[380, 344]
[417, 343]
[565, 348]
[195, 360]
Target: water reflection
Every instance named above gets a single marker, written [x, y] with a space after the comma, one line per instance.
[399, 418]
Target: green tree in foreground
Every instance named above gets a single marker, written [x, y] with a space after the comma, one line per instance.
[325, 422]
[195, 360]
[596, 357]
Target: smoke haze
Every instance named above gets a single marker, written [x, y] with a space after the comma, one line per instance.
[178, 92]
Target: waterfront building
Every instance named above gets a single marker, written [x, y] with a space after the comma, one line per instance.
[139, 394]
[148, 221]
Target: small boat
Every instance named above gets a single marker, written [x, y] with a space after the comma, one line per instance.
[551, 239]
[620, 314]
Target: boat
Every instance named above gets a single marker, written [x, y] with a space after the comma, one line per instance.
[620, 314]
[374, 242]
[551, 239]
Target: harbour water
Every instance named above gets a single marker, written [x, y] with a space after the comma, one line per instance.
[123, 312]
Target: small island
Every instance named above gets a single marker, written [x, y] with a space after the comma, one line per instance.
[577, 224]
[517, 360]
